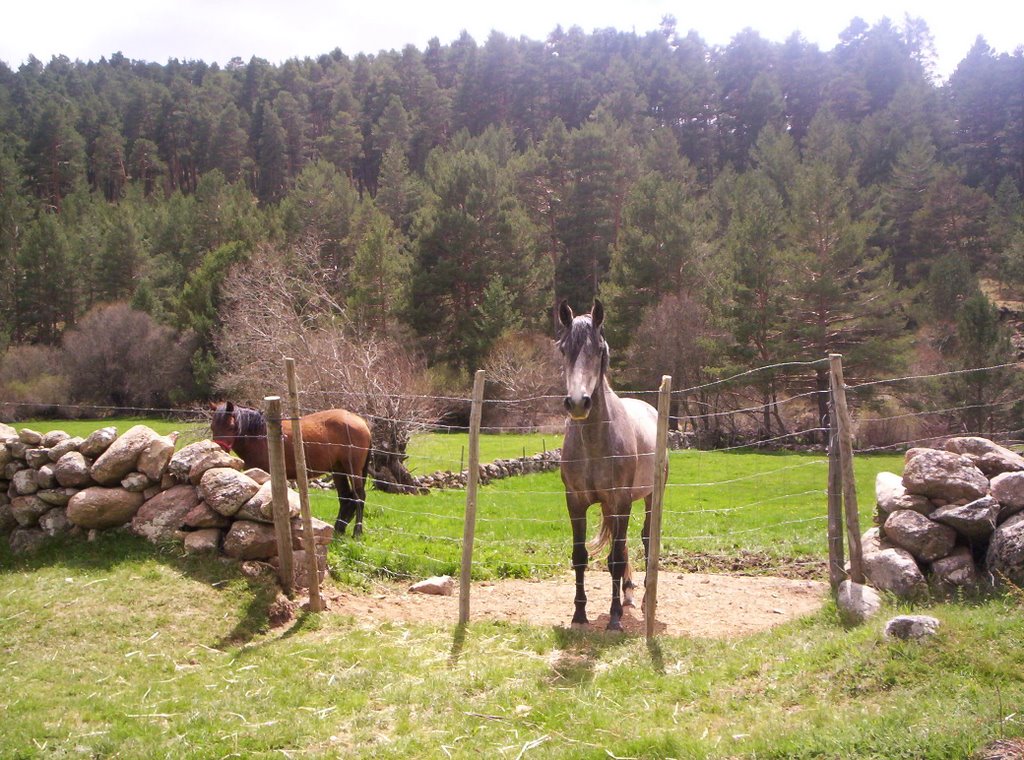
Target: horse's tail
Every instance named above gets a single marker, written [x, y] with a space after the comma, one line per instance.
[603, 537]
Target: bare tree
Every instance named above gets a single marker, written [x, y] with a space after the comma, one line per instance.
[525, 372]
[282, 304]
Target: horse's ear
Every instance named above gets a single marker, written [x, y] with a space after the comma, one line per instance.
[597, 314]
[565, 313]
[213, 406]
[229, 407]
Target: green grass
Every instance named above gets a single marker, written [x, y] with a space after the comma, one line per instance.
[115, 649]
[756, 512]
[430, 452]
[190, 429]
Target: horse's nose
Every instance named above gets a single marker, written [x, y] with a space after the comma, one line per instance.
[578, 409]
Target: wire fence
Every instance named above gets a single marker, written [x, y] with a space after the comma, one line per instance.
[755, 501]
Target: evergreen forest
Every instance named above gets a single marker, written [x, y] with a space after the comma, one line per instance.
[733, 207]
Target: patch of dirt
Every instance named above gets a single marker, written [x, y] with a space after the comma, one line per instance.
[705, 605]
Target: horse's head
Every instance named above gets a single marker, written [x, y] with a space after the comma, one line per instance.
[224, 425]
[585, 352]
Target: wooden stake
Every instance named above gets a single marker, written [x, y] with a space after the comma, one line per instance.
[469, 525]
[302, 479]
[845, 435]
[657, 501]
[836, 569]
[279, 491]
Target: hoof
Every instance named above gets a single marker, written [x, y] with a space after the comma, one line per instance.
[628, 600]
[614, 627]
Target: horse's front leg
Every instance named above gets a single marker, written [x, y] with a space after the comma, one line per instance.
[580, 558]
[618, 561]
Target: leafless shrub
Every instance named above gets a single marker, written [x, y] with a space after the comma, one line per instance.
[278, 305]
[32, 382]
[120, 357]
[524, 371]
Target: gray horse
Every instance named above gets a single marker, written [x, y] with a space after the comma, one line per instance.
[607, 456]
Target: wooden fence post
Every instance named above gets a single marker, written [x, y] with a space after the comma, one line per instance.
[469, 525]
[279, 491]
[302, 479]
[844, 426]
[836, 560]
[657, 501]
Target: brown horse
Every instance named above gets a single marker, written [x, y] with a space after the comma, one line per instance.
[607, 456]
[335, 441]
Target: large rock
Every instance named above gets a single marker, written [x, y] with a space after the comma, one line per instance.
[205, 541]
[122, 455]
[98, 507]
[55, 522]
[28, 509]
[160, 518]
[6, 431]
[323, 533]
[65, 446]
[209, 461]
[202, 517]
[1005, 556]
[957, 571]
[975, 520]
[27, 540]
[1008, 490]
[45, 477]
[943, 475]
[155, 457]
[30, 437]
[183, 459]
[895, 570]
[24, 482]
[911, 627]
[891, 495]
[261, 505]
[247, 539]
[925, 539]
[73, 470]
[7, 521]
[226, 490]
[57, 497]
[856, 602]
[991, 458]
[37, 457]
[52, 437]
[98, 442]
[136, 481]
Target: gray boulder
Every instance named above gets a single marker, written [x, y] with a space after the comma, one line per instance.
[226, 490]
[201, 516]
[37, 457]
[7, 521]
[991, 458]
[323, 533]
[30, 437]
[261, 505]
[856, 602]
[957, 571]
[911, 627]
[55, 522]
[45, 477]
[895, 570]
[247, 539]
[28, 509]
[209, 461]
[27, 540]
[6, 431]
[975, 520]
[24, 482]
[160, 518]
[891, 495]
[183, 459]
[60, 449]
[155, 457]
[98, 507]
[943, 475]
[73, 470]
[925, 539]
[205, 541]
[1005, 556]
[97, 442]
[122, 455]
[53, 437]
[136, 481]
[1008, 490]
[57, 497]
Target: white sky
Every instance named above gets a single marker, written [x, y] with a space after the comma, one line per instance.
[217, 30]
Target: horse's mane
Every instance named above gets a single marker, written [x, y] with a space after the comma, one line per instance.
[251, 422]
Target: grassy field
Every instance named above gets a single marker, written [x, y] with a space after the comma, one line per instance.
[116, 649]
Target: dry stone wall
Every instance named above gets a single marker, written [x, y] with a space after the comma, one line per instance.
[53, 484]
[954, 520]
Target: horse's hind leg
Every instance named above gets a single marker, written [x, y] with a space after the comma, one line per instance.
[359, 497]
[346, 504]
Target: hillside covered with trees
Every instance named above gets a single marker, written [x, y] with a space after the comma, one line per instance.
[734, 207]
